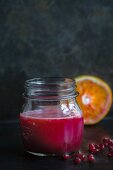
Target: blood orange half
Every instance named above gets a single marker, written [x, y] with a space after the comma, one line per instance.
[95, 98]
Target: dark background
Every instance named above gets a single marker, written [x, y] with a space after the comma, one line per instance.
[52, 38]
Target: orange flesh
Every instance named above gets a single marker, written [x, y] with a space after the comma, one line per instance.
[94, 99]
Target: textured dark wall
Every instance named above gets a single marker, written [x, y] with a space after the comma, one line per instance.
[52, 38]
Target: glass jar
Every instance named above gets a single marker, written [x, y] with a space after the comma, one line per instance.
[51, 121]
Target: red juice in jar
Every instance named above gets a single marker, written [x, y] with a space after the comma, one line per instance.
[52, 133]
[51, 121]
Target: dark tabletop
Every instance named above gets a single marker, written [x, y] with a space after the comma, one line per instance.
[13, 157]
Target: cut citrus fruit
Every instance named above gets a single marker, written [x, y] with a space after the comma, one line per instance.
[95, 98]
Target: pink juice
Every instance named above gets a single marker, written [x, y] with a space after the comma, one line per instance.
[52, 133]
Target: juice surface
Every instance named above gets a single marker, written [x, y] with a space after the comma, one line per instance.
[52, 133]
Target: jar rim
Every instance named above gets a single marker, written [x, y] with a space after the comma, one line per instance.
[49, 80]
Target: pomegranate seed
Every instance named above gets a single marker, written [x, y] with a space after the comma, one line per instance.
[94, 148]
[111, 143]
[80, 155]
[91, 158]
[97, 146]
[66, 156]
[91, 146]
[77, 160]
[110, 147]
[101, 146]
[84, 159]
[106, 141]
